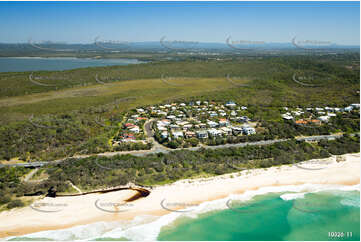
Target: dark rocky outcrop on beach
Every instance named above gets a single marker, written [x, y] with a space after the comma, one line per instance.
[51, 192]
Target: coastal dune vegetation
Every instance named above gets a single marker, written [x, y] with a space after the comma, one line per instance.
[99, 172]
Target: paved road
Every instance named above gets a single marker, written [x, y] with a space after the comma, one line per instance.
[34, 164]
[150, 134]
[157, 148]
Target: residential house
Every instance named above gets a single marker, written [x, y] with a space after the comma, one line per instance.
[190, 134]
[202, 126]
[297, 113]
[223, 122]
[188, 126]
[248, 130]
[315, 122]
[141, 118]
[162, 128]
[177, 134]
[226, 130]
[166, 122]
[213, 114]
[174, 126]
[182, 123]
[324, 118]
[134, 129]
[355, 105]
[231, 104]
[214, 132]
[287, 116]
[212, 124]
[127, 137]
[162, 113]
[237, 130]
[301, 122]
[348, 109]
[129, 125]
[242, 119]
[202, 134]
[164, 134]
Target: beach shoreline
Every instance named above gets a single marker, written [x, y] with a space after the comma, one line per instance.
[178, 196]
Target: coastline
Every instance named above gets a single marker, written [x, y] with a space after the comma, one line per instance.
[184, 193]
[31, 64]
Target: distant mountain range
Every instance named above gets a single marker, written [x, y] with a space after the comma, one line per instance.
[164, 46]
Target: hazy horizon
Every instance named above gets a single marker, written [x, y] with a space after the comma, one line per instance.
[203, 22]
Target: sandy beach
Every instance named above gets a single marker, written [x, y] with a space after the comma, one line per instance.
[65, 212]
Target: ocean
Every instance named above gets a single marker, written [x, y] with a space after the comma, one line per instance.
[269, 218]
[303, 212]
[19, 64]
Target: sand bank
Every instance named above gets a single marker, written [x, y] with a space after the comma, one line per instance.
[64, 212]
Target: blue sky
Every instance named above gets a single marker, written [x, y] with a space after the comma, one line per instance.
[82, 22]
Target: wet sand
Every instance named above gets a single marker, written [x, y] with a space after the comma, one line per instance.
[66, 212]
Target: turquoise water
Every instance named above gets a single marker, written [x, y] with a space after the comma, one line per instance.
[269, 217]
[264, 218]
[10, 64]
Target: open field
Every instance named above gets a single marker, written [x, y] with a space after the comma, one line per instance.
[129, 94]
[133, 93]
[51, 114]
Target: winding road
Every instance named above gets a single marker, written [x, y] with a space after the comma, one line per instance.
[158, 148]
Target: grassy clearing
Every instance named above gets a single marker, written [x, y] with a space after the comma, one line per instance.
[124, 94]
